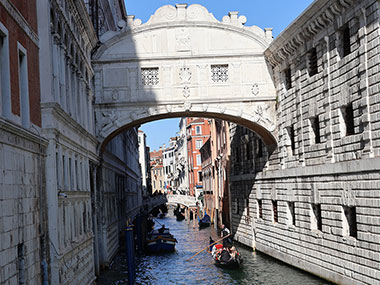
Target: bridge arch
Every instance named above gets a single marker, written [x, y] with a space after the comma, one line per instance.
[182, 63]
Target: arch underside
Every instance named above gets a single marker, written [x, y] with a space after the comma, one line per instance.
[260, 128]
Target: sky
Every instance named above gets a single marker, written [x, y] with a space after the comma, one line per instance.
[276, 14]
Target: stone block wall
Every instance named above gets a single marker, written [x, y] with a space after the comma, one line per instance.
[21, 184]
[315, 203]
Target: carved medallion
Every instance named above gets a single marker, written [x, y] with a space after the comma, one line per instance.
[185, 75]
[115, 95]
[182, 40]
[255, 89]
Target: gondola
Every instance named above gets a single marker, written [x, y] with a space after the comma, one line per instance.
[204, 222]
[228, 258]
[160, 240]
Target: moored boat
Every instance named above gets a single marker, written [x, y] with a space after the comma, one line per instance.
[160, 240]
[204, 222]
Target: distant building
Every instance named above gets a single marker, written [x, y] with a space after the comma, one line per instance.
[181, 175]
[144, 159]
[198, 132]
[157, 171]
[215, 154]
[168, 155]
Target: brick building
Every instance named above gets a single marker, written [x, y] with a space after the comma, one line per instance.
[22, 184]
[198, 132]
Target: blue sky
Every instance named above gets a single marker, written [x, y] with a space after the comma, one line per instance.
[276, 14]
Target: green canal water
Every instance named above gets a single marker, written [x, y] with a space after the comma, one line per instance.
[174, 269]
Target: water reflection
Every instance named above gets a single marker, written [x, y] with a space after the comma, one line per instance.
[173, 268]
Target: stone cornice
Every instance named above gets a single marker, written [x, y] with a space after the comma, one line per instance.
[21, 132]
[76, 127]
[318, 16]
[20, 20]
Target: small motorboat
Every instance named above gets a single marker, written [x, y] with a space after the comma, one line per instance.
[224, 257]
[204, 222]
[160, 240]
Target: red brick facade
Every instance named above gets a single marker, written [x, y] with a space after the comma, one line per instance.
[17, 35]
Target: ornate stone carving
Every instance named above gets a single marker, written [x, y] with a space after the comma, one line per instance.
[186, 91]
[150, 111]
[222, 109]
[187, 105]
[115, 95]
[205, 107]
[185, 75]
[169, 108]
[261, 116]
[255, 89]
[182, 40]
[109, 119]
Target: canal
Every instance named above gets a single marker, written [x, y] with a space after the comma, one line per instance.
[174, 269]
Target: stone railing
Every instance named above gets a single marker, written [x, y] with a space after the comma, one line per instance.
[186, 200]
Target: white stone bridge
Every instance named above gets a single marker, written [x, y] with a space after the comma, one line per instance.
[182, 63]
[184, 200]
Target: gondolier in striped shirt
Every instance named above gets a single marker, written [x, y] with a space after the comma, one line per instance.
[227, 242]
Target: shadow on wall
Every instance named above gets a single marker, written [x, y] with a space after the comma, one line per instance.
[249, 157]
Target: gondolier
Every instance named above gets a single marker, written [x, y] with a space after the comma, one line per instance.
[227, 242]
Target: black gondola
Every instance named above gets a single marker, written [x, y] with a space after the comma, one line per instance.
[228, 258]
[204, 222]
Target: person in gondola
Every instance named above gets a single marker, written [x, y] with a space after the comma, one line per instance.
[227, 242]
[225, 256]
[162, 229]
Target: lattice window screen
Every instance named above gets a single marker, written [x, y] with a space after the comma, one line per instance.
[219, 73]
[149, 76]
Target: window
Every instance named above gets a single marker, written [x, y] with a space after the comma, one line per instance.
[23, 86]
[260, 209]
[237, 154]
[290, 143]
[259, 148]
[347, 120]
[291, 214]
[199, 159]
[345, 48]
[149, 76]
[21, 263]
[198, 144]
[312, 62]
[198, 130]
[349, 222]
[315, 130]
[219, 73]
[316, 217]
[275, 212]
[5, 92]
[200, 177]
[247, 206]
[288, 78]
[249, 152]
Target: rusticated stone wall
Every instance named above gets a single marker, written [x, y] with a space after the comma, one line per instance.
[315, 204]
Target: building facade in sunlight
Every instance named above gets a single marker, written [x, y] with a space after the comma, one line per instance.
[197, 132]
[181, 177]
[157, 171]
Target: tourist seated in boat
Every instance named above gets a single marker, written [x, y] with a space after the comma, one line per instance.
[225, 256]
